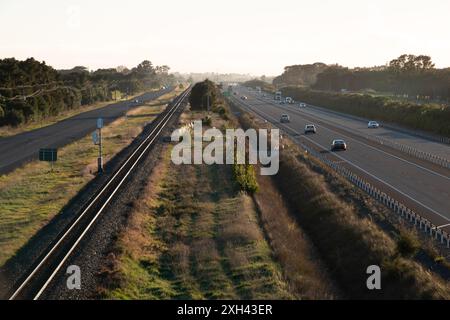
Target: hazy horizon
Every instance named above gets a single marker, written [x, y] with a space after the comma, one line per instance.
[251, 37]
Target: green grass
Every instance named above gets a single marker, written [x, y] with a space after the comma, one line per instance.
[33, 194]
[201, 239]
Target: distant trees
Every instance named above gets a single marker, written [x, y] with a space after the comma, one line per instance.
[260, 83]
[410, 75]
[203, 93]
[31, 90]
[300, 75]
[409, 63]
[428, 117]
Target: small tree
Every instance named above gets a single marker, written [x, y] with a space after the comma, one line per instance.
[202, 94]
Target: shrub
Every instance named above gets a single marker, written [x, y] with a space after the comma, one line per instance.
[245, 177]
[407, 244]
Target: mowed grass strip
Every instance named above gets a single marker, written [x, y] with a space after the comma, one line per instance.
[31, 195]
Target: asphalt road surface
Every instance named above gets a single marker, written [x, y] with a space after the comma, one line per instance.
[422, 187]
[18, 149]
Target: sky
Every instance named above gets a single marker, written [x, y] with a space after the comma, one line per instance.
[233, 36]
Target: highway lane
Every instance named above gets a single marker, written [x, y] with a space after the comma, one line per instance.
[359, 125]
[17, 149]
[423, 188]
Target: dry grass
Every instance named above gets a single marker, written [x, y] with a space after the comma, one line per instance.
[31, 195]
[298, 258]
[201, 240]
[346, 239]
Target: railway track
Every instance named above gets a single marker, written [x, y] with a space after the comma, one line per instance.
[44, 270]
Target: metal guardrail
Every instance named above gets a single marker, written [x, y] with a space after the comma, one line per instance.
[411, 151]
[443, 162]
[396, 206]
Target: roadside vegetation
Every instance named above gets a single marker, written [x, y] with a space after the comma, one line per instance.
[8, 130]
[433, 118]
[31, 195]
[31, 91]
[408, 91]
[352, 232]
[196, 233]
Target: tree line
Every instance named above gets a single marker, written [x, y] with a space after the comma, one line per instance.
[433, 118]
[413, 76]
[31, 90]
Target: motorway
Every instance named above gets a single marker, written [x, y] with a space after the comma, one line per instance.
[17, 149]
[419, 185]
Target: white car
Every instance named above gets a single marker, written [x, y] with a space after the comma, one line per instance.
[302, 105]
[310, 128]
[373, 125]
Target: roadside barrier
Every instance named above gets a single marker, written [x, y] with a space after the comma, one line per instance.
[396, 206]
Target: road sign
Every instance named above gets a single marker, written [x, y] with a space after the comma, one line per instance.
[50, 154]
[95, 137]
[99, 123]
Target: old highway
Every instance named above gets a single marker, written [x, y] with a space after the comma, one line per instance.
[422, 186]
[17, 149]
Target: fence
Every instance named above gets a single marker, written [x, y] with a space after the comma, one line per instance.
[411, 151]
[399, 208]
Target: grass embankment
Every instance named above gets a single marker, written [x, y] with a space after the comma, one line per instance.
[6, 131]
[427, 117]
[347, 240]
[31, 195]
[195, 235]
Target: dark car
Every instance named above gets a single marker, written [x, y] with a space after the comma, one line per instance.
[285, 118]
[338, 145]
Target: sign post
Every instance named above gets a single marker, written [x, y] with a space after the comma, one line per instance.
[48, 154]
[99, 138]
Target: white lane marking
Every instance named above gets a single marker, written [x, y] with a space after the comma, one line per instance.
[358, 167]
[369, 146]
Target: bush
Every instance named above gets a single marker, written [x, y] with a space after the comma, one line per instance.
[407, 244]
[203, 93]
[207, 121]
[245, 177]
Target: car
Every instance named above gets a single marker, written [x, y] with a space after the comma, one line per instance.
[302, 105]
[373, 125]
[338, 144]
[282, 102]
[310, 128]
[244, 97]
[285, 118]
[136, 101]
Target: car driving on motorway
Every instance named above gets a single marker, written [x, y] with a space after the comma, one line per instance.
[244, 97]
[302, 105]
[310, 128]
[285, 118]
[373, 125]
[338, 144]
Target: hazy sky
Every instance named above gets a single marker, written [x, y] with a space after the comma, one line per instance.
[245, 36]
